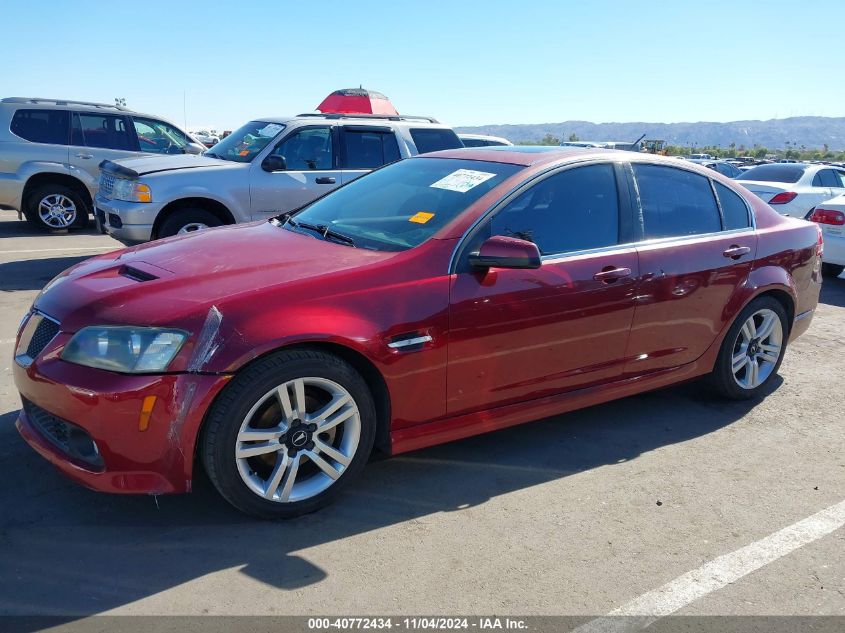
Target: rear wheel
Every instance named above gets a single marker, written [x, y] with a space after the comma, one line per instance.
[832, 270]
[56, 208]
[752, 351]
[289, 433]
[188, 220]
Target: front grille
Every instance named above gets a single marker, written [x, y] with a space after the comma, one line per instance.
[106, 184]
[69, 438]
[43, 334]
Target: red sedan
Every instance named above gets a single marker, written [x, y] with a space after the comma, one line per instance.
[439, 297]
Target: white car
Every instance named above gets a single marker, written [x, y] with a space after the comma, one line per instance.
[482, 140]
[794, 188]
[207, 138]
[830, 216]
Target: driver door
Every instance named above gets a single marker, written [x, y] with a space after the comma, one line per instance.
[311, 170]
[518, 335]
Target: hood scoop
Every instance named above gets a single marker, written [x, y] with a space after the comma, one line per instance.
[142, 271]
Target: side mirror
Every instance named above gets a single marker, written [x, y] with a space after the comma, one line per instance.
[506, 252]
[274, 162]
[193, 148]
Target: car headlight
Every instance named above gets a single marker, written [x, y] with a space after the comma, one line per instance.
[125, 349]
[131, 191]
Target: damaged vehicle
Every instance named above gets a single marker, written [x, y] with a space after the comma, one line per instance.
[434, 299]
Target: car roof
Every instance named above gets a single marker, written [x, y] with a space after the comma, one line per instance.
[528, 155]
[370, 119]
[39, 103]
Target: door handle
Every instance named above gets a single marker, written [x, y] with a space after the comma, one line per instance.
[611, 274]
[86, 156]
[735, 252]
[325, 180]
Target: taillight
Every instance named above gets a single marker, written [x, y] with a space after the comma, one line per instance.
[783, 197]
[828, 216]
[820, 243]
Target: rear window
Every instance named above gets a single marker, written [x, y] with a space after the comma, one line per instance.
[775, 173]
[433, 139]
[474, 142]
[41, 126]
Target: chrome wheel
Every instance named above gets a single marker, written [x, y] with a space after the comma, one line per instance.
[193, 226]
[57, 211]
[757, 349]
[298, 439]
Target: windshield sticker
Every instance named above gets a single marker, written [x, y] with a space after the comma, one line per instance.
[421, 217]
[271, 129]
[243, 152]
[462, 180]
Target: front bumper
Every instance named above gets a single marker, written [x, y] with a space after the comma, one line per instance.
[107, 407]
[135, 220]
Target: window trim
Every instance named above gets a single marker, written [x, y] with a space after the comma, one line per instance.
[625, 212]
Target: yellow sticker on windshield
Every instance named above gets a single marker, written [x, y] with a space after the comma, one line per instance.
[421, 217]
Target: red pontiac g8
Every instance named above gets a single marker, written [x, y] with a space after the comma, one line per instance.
[439, 297]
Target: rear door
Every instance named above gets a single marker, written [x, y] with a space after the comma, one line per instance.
[364, 148]
[696, 250]
[517, 335]
[95, 137]
[312, 169]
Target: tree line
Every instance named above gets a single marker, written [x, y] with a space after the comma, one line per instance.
[791, 151]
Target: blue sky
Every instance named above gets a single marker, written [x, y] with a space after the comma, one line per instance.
[464, 62]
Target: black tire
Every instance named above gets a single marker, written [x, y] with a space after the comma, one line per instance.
[185, 218]
[832, 270]
[42, 192]
[223, 423]
[722, 378]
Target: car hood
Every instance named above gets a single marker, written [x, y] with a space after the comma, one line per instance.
[176, 281]
[136, 167]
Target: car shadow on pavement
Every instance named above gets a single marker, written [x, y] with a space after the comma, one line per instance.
[833, 292]
[33, 274]
[65, 550]
[24, 229]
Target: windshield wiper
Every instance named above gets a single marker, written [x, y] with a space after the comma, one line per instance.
[328, 232]
[321, 229]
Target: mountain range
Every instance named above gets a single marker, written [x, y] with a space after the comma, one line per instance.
[809, 131]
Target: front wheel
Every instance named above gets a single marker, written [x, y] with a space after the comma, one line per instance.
[56, 208]
[188, 221]
[289, 433]
[752, 351]
[832, 270]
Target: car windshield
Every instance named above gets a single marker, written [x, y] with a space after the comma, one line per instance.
[243, 144]
[775, 173]
[401, 205]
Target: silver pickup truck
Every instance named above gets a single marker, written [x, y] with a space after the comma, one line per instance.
[267, 167]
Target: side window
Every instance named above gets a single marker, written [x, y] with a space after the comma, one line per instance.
[366, 149]
[307, 149]
[158, 137]
[675, 202]
[734, 209]
[41, 126]
[841, 176]
[434, 139]
[474, 142]
[828, 178]
[100, 130]
[574, 210]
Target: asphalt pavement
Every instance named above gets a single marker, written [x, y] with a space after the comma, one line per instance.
[671, 502]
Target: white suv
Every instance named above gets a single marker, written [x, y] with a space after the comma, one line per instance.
[50, 150]
[268, 167]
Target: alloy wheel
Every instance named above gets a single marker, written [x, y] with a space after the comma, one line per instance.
[192, 227]
[57, 211]
[298, 439]
[757, 349]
